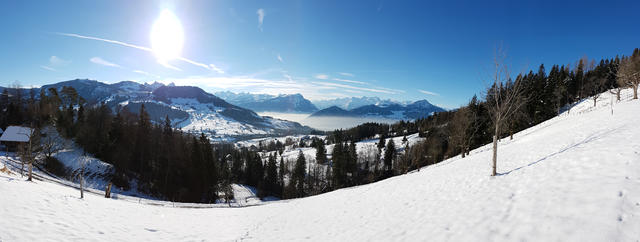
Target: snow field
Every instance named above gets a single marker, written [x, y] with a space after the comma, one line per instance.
[575, 177]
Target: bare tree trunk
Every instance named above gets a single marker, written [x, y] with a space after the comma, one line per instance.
[107, 192]
[30, 154]
[611, 106]
[82, 184]
[30, 171]
[594, 102]
[635, 91]
[82, 177]
[495, 154]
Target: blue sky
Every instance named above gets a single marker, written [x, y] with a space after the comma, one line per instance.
[402, 50]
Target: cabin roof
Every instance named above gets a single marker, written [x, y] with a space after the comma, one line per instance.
[16, 134]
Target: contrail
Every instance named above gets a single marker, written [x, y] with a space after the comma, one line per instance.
[211, 67]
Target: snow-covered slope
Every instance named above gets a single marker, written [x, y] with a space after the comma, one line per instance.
[575, 177]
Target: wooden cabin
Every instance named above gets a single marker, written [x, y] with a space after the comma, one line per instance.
[14, 136]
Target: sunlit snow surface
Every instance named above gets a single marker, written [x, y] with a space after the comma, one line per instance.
[575, 177]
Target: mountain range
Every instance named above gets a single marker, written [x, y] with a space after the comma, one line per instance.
[415, 110]
[296, 103]
[228, 115]
[349, 103]
[190, 109]
[284, 103]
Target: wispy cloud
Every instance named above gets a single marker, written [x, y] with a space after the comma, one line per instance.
[57, 61]
[169, 66]
[346, 74]
[337, 85]
[261, 13]
[354, 91]
[280, 58]
[146, 73]
[349, 81]
[108, 41]
[428, 92]
[100, 61]
[321, 76]
[48, 68]
[211, 67]
[390, 89]
[289, 78]
[286, 85]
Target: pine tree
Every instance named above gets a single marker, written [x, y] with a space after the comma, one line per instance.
[321, 154]
[166, 129]
[282, 171]
[339, 163]
[381, 142]
[210, 172]
[352, 164]
[389, 154]
[271, 179]
[299, 174]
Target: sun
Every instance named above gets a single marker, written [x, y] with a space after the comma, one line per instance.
[167, 37]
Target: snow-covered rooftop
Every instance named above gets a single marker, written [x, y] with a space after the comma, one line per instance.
[16, 134]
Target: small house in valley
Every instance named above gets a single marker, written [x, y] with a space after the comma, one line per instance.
[15, 136]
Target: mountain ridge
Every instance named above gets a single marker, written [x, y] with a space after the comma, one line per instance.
[284, 103]
[189, 108]
[415, 110]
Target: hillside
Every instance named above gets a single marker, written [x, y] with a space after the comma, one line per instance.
[575, 177]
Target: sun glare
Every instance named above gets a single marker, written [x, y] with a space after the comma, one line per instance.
[167, 37]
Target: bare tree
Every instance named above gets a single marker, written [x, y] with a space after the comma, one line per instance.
[629, 73]
[594, 86]
[51, 143]
[29, 151]
[616, 91]
[504, 98]
[83, 161]
[612, 70]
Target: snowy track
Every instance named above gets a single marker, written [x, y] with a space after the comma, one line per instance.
[572, 178]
